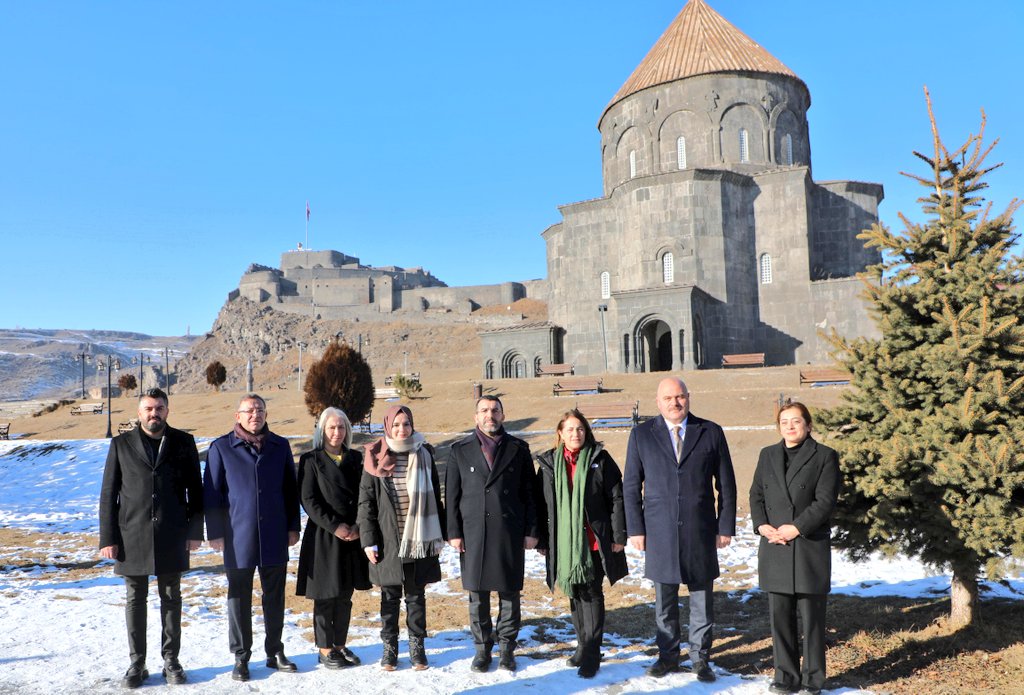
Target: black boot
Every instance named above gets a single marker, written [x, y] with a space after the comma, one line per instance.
[417, 654]
[507, 656]
[482, 660]
[389, 659]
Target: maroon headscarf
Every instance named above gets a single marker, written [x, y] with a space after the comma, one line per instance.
[378, 459]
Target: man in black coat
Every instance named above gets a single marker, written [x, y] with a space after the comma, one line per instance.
[681, 461]
[151, 517]
[492, 521]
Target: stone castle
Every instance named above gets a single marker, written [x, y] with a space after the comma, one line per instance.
[711, 237]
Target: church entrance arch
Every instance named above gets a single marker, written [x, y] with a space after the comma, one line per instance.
[652, 345]
[513, 366]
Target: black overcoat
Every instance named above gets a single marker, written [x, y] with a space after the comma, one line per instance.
[492, 511]
[678, 509]
[602, 502]
[803, 495]
[330, 495]
[378, 525]
[151, 511]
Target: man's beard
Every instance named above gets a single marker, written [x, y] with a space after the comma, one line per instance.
[154, 426]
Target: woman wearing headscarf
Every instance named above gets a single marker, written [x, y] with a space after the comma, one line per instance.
[586, 530]
[402, 527]
[331, 559]
[793, 494]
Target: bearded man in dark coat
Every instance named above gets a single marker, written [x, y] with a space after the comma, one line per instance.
[151, 517]
[492, 521]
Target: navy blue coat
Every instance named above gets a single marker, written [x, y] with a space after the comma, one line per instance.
[678, 511]
[492, 511]
[804, 494]
[251, 501]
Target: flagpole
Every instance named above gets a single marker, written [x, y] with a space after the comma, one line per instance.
[307, 225]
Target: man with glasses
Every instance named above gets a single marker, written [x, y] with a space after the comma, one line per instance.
[252, 504]
[151, 517]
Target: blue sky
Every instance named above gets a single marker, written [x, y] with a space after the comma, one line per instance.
[149, 152]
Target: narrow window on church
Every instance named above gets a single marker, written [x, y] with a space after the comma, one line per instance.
[766, 269]
[632, 164]
[606, 285]
[787, 150]
[744, 150]
[681, 152]
[668, 268]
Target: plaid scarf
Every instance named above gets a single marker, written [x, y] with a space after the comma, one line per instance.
[421, 536]
[573, 564]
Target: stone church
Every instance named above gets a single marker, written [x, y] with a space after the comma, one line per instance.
[711, 237]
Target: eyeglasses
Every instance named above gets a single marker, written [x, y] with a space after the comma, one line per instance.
[254, 411]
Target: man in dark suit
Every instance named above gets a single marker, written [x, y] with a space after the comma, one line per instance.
[252, 515]
[151, 517]
[681, 461]
[492, 520]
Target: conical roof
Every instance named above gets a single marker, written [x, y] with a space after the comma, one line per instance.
[698, 42]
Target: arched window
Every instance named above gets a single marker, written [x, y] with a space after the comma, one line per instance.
[681, 152]
[787, 150]
[632, 164]
[536, 366]
[766, 269]
[606, 285]
[744, 149]
[489, 369]
[668, 268]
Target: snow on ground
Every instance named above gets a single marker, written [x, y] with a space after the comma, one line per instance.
[66, 635]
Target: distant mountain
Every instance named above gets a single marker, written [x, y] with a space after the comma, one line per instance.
[40, 363]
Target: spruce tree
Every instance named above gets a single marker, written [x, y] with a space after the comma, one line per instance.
[340, 379]
[931, 434]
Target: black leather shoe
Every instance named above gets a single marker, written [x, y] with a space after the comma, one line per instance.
[346, 654]
[332, 660]
[135, 676]
[588, 669]
[703, 671]
[281, 663]
[173, 673]
[482, 660]
[781, 689]
[241, 671]
[663, 667]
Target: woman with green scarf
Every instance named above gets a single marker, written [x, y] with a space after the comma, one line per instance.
[581, 489]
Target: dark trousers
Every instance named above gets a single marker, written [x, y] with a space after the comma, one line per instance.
[784, 610]
[136, 590]
[240, 609]
[415, 606]
[702, 620]
[587, 606]
[509, 618]
[331, 617]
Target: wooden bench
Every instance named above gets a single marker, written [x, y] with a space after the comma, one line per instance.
[611, 414]
[750, 359]
[385, 393]
[127, 426]
[87, 408]
[824, 375]
[555, 370]
[390, 378]
[5, 430]
[579, 384]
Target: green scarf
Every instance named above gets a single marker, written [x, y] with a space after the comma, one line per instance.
[573, 564]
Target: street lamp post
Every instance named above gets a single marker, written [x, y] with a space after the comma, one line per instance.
[405, 356]
[142, 358]
[603, 309]
[108, 366]
[82, 357]
[167, 371]
[301, 347]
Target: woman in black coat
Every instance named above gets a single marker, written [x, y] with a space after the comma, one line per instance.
[402, 526]
[331, 560]
[581, 501]
[792, 497]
